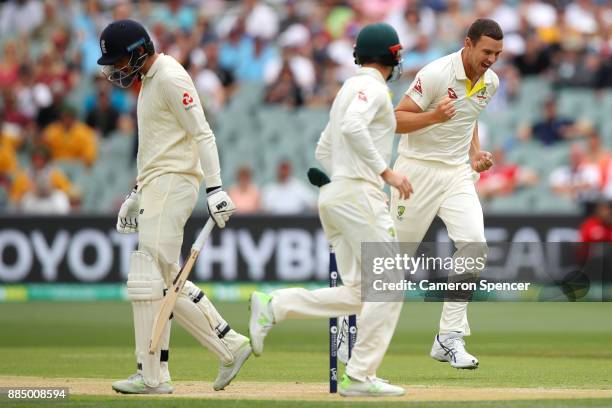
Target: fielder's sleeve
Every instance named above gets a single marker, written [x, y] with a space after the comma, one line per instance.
[324, 149]
[354, 127]
[424, 88]
[183, 100]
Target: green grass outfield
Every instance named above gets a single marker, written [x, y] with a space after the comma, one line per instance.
[549, 345]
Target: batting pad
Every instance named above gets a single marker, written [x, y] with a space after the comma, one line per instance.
[195, 312]
[145, 288]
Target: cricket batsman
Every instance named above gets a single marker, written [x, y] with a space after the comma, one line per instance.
[176, 151]
[355, 149]
[440, 153]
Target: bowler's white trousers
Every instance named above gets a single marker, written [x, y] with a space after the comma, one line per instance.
[351, 212]
[447, 191]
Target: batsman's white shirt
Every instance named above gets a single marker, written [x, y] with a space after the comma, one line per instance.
[354, 149]
[171, 122]
[447, 142]
[357, 141]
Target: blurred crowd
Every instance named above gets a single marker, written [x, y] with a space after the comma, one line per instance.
[55, 106]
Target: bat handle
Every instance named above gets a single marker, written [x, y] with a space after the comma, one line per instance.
[203, 236]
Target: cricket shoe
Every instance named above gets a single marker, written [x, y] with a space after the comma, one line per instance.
[451, 347]
[135, 385]
[261, 320]
[227, 372]
[371, 387]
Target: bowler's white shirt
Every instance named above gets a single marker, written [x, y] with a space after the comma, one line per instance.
[447, 142]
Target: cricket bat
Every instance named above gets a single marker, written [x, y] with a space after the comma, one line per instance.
[172, 294]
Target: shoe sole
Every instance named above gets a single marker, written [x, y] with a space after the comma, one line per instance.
[244, 356]
[468, 367]
[366, 394]
[149, 391]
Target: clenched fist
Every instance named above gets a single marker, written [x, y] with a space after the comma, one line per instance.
[482, 161]
[445, 110]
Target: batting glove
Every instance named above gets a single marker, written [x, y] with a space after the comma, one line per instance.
[220, 206]
[127, 220]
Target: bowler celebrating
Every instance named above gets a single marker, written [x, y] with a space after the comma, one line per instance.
[355, 149]
[176, 151]
[440, 153]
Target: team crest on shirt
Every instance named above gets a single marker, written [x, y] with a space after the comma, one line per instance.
[482, 97]
[362, 96]
[188, 101]
[452, 94]
[400, 211]
[418, 87]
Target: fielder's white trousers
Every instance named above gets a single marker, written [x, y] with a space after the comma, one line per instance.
[351, 212]
[446, 191]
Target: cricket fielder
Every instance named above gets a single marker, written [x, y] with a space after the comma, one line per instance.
[440, 153]
[355, 149]
[176, 151]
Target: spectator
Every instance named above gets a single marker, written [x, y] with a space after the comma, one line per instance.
[24, 181]
[261, 20]
[175, 15]
[579, 181]
[578, 66]
[20, 17]
[535, 60]
[422, 54]
[552, 128]
[254, 55]
[285, 89]
[70, 139]
[103, 117]
[504, 178]
[598, 227]
[596, 153]
[45, 199]
[9, 65]
[287, 195]
[245, 193]
[8, 156]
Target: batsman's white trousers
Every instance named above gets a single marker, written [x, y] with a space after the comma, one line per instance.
[447, 191]
[166, 204]
[351, 212]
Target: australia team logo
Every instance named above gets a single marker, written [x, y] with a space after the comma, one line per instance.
[452, 94]
[400, 211]
[482, 97]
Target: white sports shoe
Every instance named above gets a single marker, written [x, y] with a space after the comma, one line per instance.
[261, 320]
[451, 347]
[228, 372]
[135, 385]
[372, 387]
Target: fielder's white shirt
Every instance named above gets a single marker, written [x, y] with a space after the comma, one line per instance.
[357, 141]
[447, 142]
[170, 124]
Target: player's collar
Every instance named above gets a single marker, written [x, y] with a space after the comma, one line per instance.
[373, 72]
[155, 66]
[460, 70]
